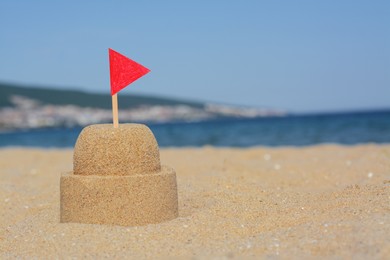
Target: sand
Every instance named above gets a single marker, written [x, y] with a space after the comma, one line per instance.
[117, 179]
[130, 149]
[324, 201]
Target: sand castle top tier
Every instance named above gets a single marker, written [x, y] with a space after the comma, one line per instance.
[127, 150]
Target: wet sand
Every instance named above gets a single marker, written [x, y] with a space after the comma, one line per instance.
[322, 201]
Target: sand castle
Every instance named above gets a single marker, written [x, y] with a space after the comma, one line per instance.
[117, 179]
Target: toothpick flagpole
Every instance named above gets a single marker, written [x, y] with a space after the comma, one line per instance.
[115, 120]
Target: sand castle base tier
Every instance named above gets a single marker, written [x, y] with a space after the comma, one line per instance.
[121, 200]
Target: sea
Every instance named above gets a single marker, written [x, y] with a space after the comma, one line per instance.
[294, 130]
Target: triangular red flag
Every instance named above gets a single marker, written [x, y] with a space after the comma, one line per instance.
[123, 71]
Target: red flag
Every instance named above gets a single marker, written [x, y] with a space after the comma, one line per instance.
[123, 71]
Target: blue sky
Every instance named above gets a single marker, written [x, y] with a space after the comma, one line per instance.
[303, 56]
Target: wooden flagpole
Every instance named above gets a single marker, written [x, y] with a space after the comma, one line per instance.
[115, 120]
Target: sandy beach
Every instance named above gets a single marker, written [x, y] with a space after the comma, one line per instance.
[324, 201]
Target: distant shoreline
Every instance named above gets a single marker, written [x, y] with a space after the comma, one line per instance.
[292, 130]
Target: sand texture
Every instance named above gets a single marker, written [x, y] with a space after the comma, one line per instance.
[121, 200]
[117, 179]
[104, 150]
[325, 201]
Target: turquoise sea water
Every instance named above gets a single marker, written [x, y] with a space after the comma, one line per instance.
[342, 128]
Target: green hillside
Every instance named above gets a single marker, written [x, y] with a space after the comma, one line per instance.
[82, 99]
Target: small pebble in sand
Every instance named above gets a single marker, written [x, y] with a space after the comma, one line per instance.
[6, 200]
[185, 226]
[26, 207]
[267, 157]
[370, 174]
[277, 167]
